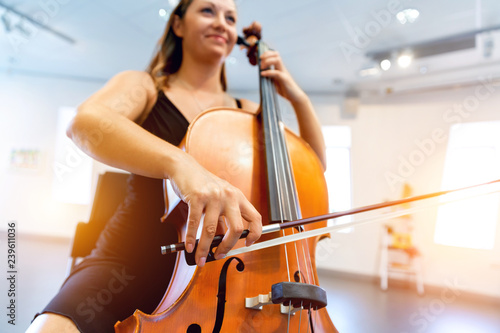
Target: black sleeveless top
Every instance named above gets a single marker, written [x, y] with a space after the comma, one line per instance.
[137, 221]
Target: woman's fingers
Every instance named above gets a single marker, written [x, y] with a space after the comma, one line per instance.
[209, 228]
[254, 219]
[273, 67]
[235, 217]
[195, 213]
[271, 58]
[234, 223]
[228, 206]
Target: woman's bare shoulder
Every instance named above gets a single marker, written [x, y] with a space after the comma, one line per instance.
[135, 80]
[131, 93]
[249, 105]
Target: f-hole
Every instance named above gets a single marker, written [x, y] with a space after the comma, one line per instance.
[221, 295]
[194, 328]
[298, 275]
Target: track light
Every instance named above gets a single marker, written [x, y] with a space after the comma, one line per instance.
[26, 25]
[6, 22]
[408, 15]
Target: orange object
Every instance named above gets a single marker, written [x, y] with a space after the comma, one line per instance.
[401, 240]
[234, 145]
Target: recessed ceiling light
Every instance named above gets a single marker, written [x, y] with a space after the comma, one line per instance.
[404, 60]
[162, 12]
[408, 15]
[385, 64]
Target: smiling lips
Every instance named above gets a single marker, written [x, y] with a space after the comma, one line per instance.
[219, 38]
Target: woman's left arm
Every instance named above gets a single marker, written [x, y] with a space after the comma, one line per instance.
[309, 125]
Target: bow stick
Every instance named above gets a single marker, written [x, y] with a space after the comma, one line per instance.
[173, 248]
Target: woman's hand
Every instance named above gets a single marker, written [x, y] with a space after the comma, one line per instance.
[221, 205]
[272, 66]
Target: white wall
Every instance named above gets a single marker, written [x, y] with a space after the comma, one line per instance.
[387, 131]
[29, 107]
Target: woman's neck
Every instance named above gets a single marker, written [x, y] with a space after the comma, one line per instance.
[200, 76]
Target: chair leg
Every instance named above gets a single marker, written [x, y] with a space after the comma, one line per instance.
[418, 274]
[384, 264]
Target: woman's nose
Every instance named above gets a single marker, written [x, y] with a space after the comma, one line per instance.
[220, 21]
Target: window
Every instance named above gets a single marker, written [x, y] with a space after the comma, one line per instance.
[338, 172]
[72, 168]
[473, 157]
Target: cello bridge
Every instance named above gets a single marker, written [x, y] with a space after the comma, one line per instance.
[258, 302]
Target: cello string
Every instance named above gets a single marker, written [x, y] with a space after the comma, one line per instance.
[301, 310]
[312, 278]
[286, 171]
[303, 244]
[283, 184]
[309, 317]
[315, 317]
[289, 310]
[267, 86]
[278, 155]
[286, 178]
[306, 258]
[288, 183]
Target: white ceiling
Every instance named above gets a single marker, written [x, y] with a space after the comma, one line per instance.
[114, 35]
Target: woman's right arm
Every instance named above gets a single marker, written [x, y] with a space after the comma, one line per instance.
[106, 127]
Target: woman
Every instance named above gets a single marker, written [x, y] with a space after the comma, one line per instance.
[140, 118]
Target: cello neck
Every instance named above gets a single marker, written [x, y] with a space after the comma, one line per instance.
[282, 192]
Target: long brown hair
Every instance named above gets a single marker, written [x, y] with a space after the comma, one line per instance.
[168, 54]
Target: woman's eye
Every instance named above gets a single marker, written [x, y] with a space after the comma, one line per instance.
[231, 19]
[207, 10]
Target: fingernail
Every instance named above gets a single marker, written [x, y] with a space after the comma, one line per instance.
[220, 256]
[189, 248]
[202, 261]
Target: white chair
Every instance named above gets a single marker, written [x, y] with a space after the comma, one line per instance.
[398, 254]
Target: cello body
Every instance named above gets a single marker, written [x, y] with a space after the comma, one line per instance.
[229, 143]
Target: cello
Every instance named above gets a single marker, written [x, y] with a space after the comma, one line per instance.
[271, 290]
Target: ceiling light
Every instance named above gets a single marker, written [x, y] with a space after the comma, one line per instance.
[369, 71]
[404, 60]
[163, 13]
[6, 22]
[408, 15]
[385, 64]
[173, 3]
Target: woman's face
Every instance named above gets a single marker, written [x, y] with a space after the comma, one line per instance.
[208, 28]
